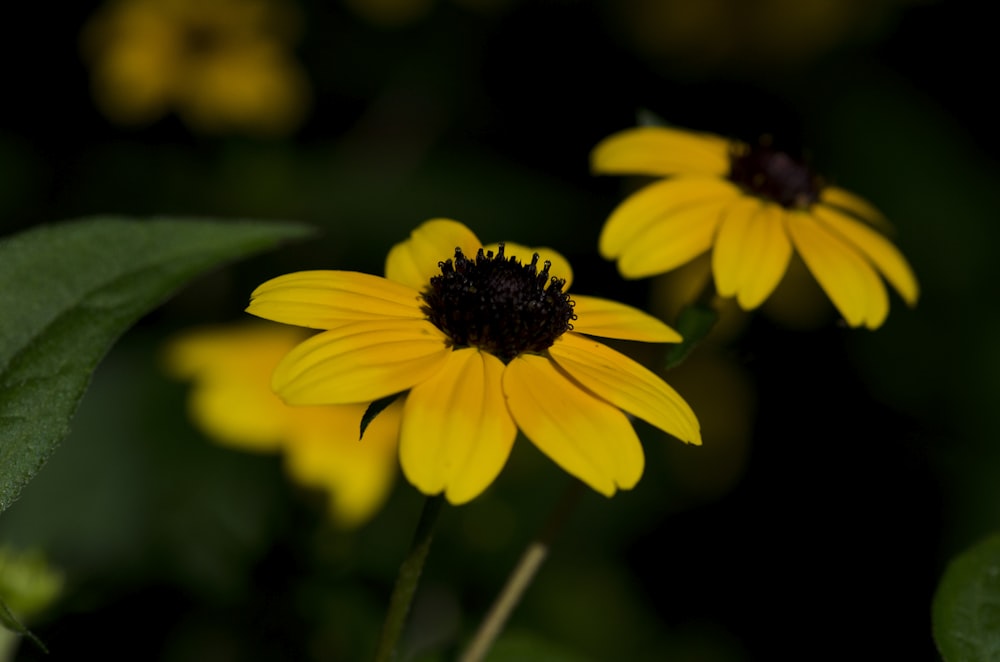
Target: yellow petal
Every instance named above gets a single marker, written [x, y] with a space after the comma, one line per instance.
[457, 433]
[626, 384]
[675, 241]
[247, 416]
[653, 150]
[751, 252]
[585, 435]
[323, 451]
[846, 277]
[242, 351]
[559, 266]
[655, 206]
[414, 261]
[325, 299]
[854, 204]
[231, 365]
[610, 319]
[360, 362]
[879, 250]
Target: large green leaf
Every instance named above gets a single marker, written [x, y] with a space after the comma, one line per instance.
[967, 605]
[67, 291]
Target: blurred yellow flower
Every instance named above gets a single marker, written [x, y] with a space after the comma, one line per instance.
[751, 206]
[231, 400]
[484, 340]
[766, 35]
[223, 65]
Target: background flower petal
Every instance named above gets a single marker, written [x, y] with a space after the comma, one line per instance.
[751, 252]
[323, 451]
[414, 261]
[231, 398]
[325, 299]
[456, 433]
[610, 319]
[675, 240]
[360, 362]
[585, 435]
[560, 267]
[626, 384]
[654, 205]
[886, 257]
[854, 204]
[846, 277]
[655, 150]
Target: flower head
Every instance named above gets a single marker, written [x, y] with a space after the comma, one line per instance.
[232, 402]
[222, 65]
[483, 341]
[751, 206]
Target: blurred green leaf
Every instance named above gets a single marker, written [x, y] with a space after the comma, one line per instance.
[67, 291]
[694, 324]
[9, 621]
[966, 612]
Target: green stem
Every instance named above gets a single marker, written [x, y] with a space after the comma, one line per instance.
[407, 580]
[694, 323]
[522, 575]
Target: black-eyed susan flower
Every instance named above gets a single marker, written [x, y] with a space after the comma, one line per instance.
[222, 65]
[232, 402]
[482, 341]
[751, 206]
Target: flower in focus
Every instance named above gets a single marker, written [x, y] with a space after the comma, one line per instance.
[483, 341]
[750, 206]
[232, 402]
[222, 65]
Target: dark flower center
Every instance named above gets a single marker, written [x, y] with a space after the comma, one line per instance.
[773, 174]
[497, 304]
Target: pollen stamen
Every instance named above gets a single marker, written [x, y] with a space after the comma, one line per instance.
[775, 175]
[498, 304]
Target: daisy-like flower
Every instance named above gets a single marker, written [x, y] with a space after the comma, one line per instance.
[482, 341]
[232, 402]
[751, 206]
[222, 65]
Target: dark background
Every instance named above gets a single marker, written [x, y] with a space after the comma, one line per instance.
[841, 468]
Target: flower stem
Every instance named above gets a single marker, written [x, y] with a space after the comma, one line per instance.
[522, 575]
[407, 580]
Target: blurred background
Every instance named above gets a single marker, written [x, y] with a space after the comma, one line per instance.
[841, 468]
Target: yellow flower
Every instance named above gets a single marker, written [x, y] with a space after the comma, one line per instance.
[222, 65]
[751, 206]
[484, 341]
[232, 402]
[754, 35]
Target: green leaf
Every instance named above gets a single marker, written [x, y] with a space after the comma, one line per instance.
[9, 621]
[67, 291]
[694, 324]
[374, 409]
[966, 610]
